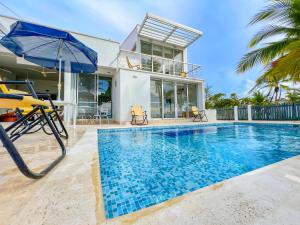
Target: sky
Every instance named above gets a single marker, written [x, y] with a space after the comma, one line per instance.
[223, 22]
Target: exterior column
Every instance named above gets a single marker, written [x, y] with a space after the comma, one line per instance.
[67, 97]
[249, 112]
[201, 96]
[236, 114]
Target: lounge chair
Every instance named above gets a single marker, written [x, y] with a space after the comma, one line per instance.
[52, 110]
[32, 119]
[138, 114]
[130, 66]
[199, 114]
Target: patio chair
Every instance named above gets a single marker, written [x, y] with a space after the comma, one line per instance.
[137, 114]
[130, 66]
[52, 111]
[199, 114]
[33, 118]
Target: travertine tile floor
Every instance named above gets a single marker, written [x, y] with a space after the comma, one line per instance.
[71, 193]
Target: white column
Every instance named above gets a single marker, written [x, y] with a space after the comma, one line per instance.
[236, 115]
[175, 99]
[67, 97]
[249, 112]
[201, 96]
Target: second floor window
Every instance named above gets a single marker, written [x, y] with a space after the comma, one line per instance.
[161, 51]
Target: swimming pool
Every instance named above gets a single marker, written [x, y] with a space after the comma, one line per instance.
[141, 167]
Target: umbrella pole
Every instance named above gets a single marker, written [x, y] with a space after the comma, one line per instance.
[59, 80]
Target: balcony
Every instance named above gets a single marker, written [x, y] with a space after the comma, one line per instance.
[137, 61]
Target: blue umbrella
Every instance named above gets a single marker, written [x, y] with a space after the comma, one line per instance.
[50, 48]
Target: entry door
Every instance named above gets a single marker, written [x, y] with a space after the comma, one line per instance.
[86, 96]
[182, 103]
[104, 99]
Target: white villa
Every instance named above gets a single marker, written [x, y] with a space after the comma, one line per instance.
[150, 68]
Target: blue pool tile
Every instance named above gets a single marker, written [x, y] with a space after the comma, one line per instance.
[141, 167]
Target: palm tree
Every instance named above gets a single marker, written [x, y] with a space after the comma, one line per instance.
[258, 98]
[293, 96]
[281, 58]
[273, 84]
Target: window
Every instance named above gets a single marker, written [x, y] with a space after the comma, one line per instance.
[146, 48]
[178, 55]
[169, 100]
[158, 50]
[168, 53]
[192, 96]
[156, 99]
[182, 104]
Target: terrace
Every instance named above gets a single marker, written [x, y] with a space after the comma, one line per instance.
[155, 64]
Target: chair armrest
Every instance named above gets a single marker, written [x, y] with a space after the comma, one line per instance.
[28, 83]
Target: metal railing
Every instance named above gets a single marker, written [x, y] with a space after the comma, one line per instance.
[137, 61]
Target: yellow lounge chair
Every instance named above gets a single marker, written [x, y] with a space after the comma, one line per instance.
[22, 110]
[198, 114]
[138, 113]
[130, 66]
[16, 130]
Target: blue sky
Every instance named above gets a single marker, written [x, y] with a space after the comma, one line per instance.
[223, 22]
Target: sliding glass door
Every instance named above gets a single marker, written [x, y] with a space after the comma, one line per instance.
[156, 99]
[192, 97]
[169, 99]
[104, 97]
[87, 102]
[94, 96]
[182, 104]
[172, 100]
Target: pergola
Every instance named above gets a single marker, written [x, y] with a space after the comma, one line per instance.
[167, 31]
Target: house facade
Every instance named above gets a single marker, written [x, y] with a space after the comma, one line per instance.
[150, 68]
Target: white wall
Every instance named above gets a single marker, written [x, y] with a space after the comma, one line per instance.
[131, 40]
[116, 95]
[211, 115]
[107, 50]
[134, 89]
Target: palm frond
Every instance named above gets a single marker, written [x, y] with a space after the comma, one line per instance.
[263, 55]
[278, 10]
[273, 30]
[289, 64]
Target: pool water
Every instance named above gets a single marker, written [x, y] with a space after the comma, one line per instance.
[143, 167]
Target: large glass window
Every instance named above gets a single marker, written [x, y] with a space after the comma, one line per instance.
[168, 53]
[151, 61]
[87, 103]
[156, 99]
[158, 50]
[178, 55]
[157, 62]
[182, 104]
[104, 97]
[192, 96]
[146, 48]
[94, 96]
[146, 63]
[178, 66]
[169, 100]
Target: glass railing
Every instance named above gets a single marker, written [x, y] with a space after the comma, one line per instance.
[137, 61]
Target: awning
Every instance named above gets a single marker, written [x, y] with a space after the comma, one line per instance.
[167, 31]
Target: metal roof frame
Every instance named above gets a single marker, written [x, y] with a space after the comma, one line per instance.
[167, 31]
